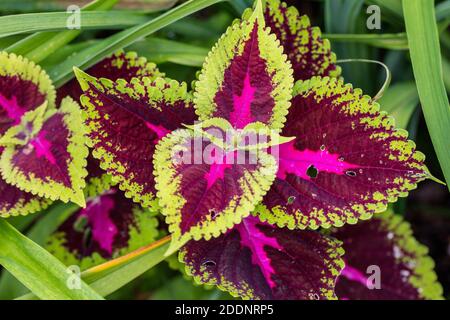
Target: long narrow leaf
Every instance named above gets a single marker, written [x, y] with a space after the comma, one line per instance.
[112, 275]
[52, 21]
[37, 269]
[49, 221]
[38, 46]
[161, 50]
[396, 41]
[86, 58]
[426, 58]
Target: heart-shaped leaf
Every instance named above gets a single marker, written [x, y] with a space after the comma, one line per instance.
[246, 77]
[46, 154]
[309, 54]
[14, 202]
[204, 189]
[347, 162]
[255, 260]
[385, 262]
[125, 121]
[110, 226]
[24, 86]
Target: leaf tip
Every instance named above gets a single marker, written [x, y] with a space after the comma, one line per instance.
[83, 78]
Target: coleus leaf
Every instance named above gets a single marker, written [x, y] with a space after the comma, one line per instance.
[309, 54]
[97, 180]
[120, 65]
[46, 154]
[246, 77]
[385, 242]
[254, 136]
[24, 86]
[14, 202]
[347, 162]
[204, 189]
[125, 121]
[110, 226]
[256, 260]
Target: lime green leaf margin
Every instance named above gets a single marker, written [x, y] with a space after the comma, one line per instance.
[426, 59]
[12, 65]
[76, 166]
[168, 184]
[424, 277]
[37, 269]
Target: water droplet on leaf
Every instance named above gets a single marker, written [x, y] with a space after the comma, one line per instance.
[351, 173]
[209, 264]
[312, 172]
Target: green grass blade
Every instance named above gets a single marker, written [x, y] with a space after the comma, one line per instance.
[426, 59]
[37, 269]
[397, 41]
[112, 275]
[59, 5]
[160, 50]
[38, 46]
[86, 58]
[48, 222]
[52, 21]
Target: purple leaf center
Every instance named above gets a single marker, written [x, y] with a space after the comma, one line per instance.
[241, 115]
[42, 147]
[12, 108]
[253, 238]
[160, 131]
[293, 161]
[217, 169]
[103, 228]
[354, 275]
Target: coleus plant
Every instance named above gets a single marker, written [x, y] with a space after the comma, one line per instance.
[43, 157]
[110, 226]
[242, 227]
[330, 158]
[43, 151]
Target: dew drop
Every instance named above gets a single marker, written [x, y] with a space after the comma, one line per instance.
[312, 172]
[405, 273]
[213, 213]
[341, 159]
[291, 200]
[322, 147]
[397, 252]
[209, 264]
[350, 173]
